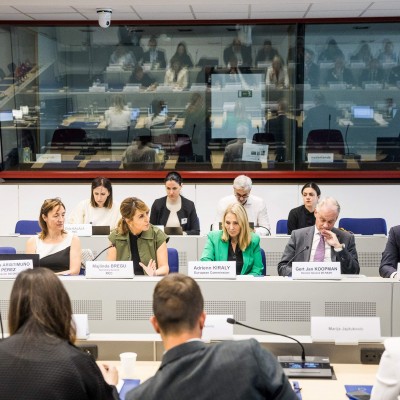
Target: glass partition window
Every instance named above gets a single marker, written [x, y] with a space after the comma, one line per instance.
[220, 97]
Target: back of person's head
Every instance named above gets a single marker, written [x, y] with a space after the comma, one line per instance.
[319, 98]
[128, 209]
[48, 206]
[156, 107]
[174, 176]
[106, 183]
[239, 211]
[118, 102]
[39, 304]
[242, 182]
[328, 202]
[311, 185]
[177, 303]
[282, 106]
[242, 131]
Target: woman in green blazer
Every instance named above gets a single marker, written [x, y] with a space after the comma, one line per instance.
[235, 242]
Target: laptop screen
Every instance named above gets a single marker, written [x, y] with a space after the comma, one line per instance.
[6, 116]
[135, 114]
[366, 112]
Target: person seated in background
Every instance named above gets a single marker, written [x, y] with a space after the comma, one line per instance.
[387, 55]
[331, 52]
[394, 76]
[140, 154]
[100, 209]
[363, 54]
[266, 53]
[373, 73]
[39, 359]
[277, 74]
[235, 74]
[139, 77]
[391, 254]
[241, 52]
[58, 250]
[339, 73]
[154, 56]
[311, 69]
[204, 76]
[303, 216]
[387, 383]
[177, 76]
[235, 242]
[224, 371]
[158, 117]
[231, 121]
[122, 56]
[135, 239]
[255, 206]
[182, 55]
[321, 242]
[174, 210]
[118, 120]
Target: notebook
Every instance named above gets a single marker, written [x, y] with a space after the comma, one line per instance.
[17, 257]
[100, 230]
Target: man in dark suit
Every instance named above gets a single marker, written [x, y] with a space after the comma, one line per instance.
[337, 245]
[391, 254]
[191, 369]
[240, 51]
[154, 55]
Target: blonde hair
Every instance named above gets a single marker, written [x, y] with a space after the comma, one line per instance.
[244, 238]
[128, 210]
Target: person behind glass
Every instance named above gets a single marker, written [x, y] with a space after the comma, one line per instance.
[373, 73]
[277, 74]
[174, 210]
[340, 73]
[331, 52]
[100, 209]
[321, 242]
[363, 54]
[39, 359]
[122, 56]
[58, 250]
[139, 77]
[235, 242]
[311, 70]
[266, 53]
[241, 52]
[157, 117]
[154, 55]
[182, 55]
[177, 76]
[303, 216]
[118, 116]
[388, 55]
[135, 239]
[391, 255]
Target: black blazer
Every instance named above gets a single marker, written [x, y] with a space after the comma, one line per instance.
[187, 215]
[160, 58]
[391, 254]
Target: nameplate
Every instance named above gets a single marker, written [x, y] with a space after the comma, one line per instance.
[346, 330]
[97, 89]
[216, 328]
[79, 229]
[316, 270]
[212, 269]
[109, 269]
[11, 268]
[81, 325]
[47, 158]
[254, 152]
[320, 157]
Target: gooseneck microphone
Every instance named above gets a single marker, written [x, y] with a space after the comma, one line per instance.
[98, 255]
[233, 321]
[260, 226]
[296, 254]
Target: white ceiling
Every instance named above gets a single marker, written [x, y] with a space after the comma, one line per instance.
[189, 10]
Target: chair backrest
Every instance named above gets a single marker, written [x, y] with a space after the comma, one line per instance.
[264, 137]
[173, 260]
[65, 136]
[8, 250]
[325, 141]
[264, 261]
[27, 227]
[364, 226]
[281, 227]
[86, 255]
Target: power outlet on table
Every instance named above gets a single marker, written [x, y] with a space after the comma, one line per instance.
[371, 356]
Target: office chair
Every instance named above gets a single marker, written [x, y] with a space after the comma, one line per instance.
[27, 227]
[86, 255]
[66, 136]
[325, 141]
[264, 138]
[8, 250]
[264, 261]
[364, 226]
[173, 260]
[281, 227]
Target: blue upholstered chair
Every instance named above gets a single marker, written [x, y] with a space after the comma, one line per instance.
[8, 250]
[364, 226]
[281, 227]
[264, 261]
[173, 260]
[27, 227]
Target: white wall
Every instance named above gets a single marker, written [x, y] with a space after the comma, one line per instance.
[23, 201]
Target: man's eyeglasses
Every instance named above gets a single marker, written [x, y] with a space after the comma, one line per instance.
[242, 196]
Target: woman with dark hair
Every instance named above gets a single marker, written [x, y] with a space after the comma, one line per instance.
[59, 250]
[39, 360]
[100, 209]
[135, 239]
[182, 55]
[303, 216]
[174, 210]
[158, 117]
[235, 242]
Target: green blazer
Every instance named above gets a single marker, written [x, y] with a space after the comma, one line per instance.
[217, 250]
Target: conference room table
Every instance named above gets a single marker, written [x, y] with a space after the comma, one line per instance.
[311, 389]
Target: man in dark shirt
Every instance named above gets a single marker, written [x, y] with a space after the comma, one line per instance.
[139, 77]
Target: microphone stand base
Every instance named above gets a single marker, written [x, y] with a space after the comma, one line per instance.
[312, 367]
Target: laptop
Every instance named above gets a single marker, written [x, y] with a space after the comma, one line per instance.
[135, 112]
[100, 230]
[6, 118]
[173, 230]
[362, 115]
[20, 257]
